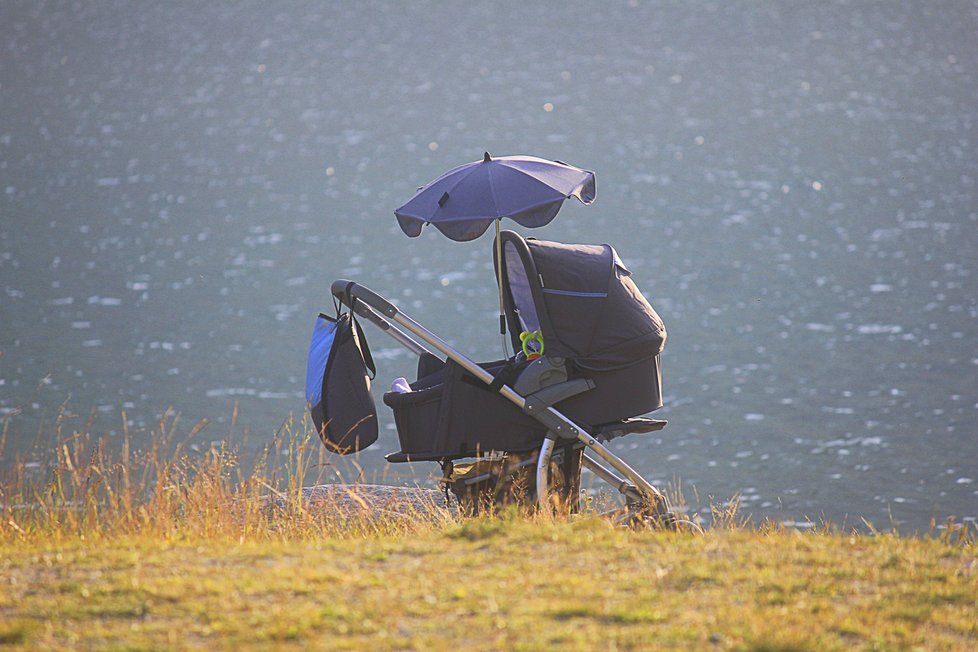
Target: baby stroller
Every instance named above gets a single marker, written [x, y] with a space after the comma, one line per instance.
[586, 368]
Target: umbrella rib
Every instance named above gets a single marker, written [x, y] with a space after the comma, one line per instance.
[529, 207]
[463, 218]
[462, 177]
[492, 193]
[532, 174]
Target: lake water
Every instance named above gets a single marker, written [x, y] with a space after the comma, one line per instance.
[793, 186]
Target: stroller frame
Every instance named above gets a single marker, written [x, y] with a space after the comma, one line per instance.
[641, 496]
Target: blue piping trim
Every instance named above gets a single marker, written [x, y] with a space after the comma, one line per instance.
[570, 293]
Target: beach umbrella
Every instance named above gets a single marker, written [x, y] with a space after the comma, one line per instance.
[464, 201]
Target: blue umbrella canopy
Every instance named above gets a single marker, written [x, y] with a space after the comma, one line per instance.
[464, 201]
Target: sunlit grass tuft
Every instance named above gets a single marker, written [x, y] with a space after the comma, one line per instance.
[175, 488]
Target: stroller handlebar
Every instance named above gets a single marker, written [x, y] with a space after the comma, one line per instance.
[374, 308]
[343, 290]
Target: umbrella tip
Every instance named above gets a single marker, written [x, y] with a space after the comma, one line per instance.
[487, 158]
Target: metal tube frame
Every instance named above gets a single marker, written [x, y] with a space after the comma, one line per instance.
[399, 336]
[623, 486]
[382, 313]
[543, 471]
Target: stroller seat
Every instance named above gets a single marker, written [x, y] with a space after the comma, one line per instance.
[599, 363]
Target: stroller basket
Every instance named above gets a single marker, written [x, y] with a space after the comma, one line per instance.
[450, 415]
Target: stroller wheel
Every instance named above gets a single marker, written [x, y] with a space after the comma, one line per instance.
[669, 521]
[676, 523]
[656, 515]
[484, 486]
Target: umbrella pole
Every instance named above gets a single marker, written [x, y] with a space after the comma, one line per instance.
[499, 280]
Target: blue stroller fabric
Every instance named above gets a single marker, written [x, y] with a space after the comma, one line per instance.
[338, 385]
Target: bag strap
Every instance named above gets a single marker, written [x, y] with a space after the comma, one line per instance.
[504, 376]
[368, 359]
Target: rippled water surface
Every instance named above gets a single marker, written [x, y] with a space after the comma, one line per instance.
[793, 187]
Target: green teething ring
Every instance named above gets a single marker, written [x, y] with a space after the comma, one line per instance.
[532, 336]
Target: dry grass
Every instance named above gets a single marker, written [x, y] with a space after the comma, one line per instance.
[177, 489]
[180, 545]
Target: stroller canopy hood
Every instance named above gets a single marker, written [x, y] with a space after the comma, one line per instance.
[582, 299]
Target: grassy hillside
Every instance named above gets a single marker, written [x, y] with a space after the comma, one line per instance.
[162, 549]
[493, 584]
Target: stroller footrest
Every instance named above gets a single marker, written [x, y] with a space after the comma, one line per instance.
[609, 431]
[401, 456]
